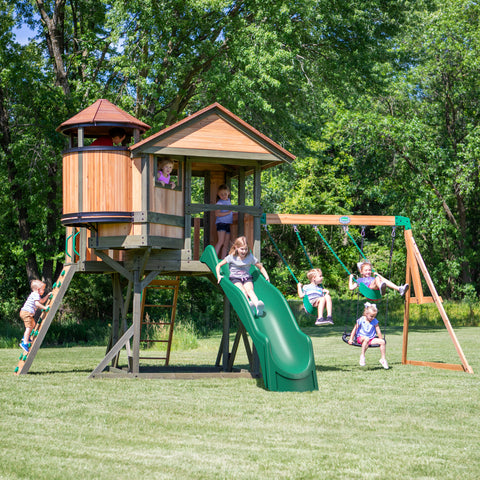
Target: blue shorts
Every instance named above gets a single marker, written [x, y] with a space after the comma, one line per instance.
[223, 227]
[245, 278]
[314, 298]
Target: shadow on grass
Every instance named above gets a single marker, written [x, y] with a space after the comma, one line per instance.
[58, 371]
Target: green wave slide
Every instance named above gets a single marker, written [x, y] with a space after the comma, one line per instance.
[285, 352]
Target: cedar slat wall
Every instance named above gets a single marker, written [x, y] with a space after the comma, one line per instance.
[212, 133]
[70, 182]
[107, 181]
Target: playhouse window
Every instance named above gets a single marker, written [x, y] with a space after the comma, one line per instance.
[163, 166]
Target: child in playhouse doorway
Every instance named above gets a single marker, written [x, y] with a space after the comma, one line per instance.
[223, 221]
[165, 168]
[368, 333]
[318, 296]
[239, 260]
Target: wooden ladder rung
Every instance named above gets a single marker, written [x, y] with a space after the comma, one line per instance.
[146, 340]
[156, 323]
[164, 306]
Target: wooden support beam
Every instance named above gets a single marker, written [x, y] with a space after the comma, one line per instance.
[114, 264]
[420, 301]
[364, 220]
[113, 352]
[196, 238]
[137, 326]
[406, 313]
[439, 365]
[226, 333]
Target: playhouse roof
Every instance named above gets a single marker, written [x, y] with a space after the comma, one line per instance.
[100, 116]
[214, 132]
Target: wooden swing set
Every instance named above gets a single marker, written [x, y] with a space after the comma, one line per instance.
[414, 265]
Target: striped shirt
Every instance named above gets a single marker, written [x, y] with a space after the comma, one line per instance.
[29, 304]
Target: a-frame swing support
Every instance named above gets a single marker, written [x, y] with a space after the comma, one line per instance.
[415, 265]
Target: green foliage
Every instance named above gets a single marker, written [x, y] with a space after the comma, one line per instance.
[378, 100]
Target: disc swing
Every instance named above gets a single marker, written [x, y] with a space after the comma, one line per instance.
[309, 308]
[346, 333]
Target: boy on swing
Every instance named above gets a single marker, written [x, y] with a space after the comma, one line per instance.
[318, 296]
[374, 280]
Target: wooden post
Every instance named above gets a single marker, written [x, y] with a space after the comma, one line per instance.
[241, 201]
[226, 332]
[406, 315]
[117, 301]
[196, 238]
[137, 296]
[257, 192]
[188, 201]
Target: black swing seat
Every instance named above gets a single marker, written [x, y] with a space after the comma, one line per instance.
[346, 338]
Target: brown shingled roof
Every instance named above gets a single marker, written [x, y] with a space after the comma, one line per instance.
[99, 115]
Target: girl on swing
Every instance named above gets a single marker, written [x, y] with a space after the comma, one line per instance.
[368, 333]
[374, 280]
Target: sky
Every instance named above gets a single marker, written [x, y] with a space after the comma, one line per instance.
[23, 34]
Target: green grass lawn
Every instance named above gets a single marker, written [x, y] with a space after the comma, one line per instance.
[364, 423]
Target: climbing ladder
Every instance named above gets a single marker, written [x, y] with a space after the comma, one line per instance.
[45, 319]
[150, 325]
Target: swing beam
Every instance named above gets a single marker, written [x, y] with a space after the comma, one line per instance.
[415, 265]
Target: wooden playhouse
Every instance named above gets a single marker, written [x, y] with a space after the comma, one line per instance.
[120, 220]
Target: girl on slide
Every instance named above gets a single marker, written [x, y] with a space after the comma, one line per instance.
[239, 261]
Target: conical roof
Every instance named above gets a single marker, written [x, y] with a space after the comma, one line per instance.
[99, 117]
